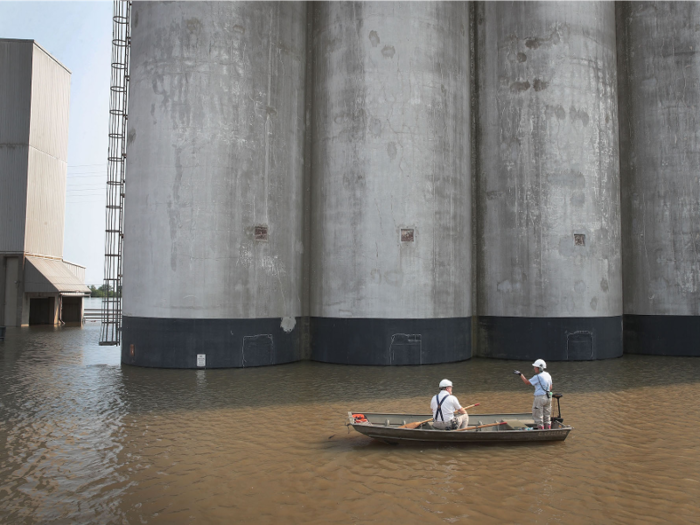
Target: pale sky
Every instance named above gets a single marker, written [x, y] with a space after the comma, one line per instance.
[79, 35]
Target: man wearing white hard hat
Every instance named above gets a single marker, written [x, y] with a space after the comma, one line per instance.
[448, 414]
[542, 405]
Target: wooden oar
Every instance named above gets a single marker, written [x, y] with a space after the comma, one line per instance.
[416, 424]
[482, 426]
[419, 423]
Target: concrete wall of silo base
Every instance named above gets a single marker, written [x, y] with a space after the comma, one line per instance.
[670, 335]
[240, 343]
[226, 343]
[390, 341]
[550, 338]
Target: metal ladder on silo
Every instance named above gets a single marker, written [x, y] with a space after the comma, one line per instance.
[110, 333]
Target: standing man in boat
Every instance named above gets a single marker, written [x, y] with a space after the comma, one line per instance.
[542, 405]
[448, 414]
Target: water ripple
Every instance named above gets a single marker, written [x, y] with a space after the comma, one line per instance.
[86, 440]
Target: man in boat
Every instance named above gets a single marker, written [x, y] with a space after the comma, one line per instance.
[448, 414]
[542, 405]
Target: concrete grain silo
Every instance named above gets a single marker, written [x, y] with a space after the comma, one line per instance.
[213, 217]
[660, 170]
[391, 190]
[548, 203]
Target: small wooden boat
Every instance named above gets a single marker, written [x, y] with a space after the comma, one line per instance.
[503, 428]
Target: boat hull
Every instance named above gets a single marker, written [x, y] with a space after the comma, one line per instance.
[385, 427]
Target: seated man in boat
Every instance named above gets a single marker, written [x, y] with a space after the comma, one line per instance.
[542, 405]
[448, 414]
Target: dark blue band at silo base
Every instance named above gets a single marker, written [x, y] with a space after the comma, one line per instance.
[672, 335]
[390, 341]
[550, 338]
[226, 343]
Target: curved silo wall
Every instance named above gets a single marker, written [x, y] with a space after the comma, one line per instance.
[548, 258]
[213, 214]
[660, 170]
[391, 190]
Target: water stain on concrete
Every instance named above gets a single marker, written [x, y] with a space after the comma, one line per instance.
[494, 194]
[194, 25]
[374, 38]
[579, 114]
[388, 51]
[571, 179]
[557, 112]
[519, 87]
[539, 85]
[532, 43]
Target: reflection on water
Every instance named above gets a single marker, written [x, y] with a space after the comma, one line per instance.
[86, 440]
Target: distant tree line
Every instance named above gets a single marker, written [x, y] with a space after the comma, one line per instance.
[104, 291]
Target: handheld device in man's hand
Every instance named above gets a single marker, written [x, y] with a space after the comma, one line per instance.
[516, 372]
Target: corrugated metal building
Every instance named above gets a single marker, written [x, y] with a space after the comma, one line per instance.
[36, 285]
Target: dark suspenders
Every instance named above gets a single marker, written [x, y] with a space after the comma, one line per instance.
[439, 406]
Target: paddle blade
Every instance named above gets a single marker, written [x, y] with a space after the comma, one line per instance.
[415, 424]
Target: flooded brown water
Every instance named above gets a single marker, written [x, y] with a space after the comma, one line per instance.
[85, 440]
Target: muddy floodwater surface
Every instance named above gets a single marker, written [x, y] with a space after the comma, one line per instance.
[86, 440]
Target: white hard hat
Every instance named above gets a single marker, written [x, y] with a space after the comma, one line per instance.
[445, 383]
[540, 364]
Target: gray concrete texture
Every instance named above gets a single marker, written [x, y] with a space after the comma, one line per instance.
[548, 160]
[660, 142]
[231, 129]
[215, 144]
[391, 151]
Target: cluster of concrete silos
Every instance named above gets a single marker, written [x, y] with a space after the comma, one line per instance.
[362, 183]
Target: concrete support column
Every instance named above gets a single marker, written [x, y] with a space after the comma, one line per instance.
[659, 45]
[548, 197]
[213, 216]
[391, 183]
[14, 293]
